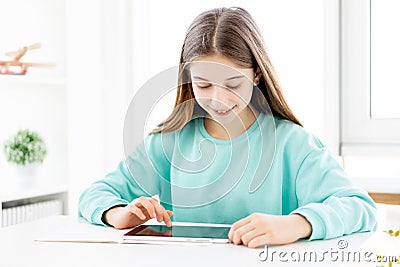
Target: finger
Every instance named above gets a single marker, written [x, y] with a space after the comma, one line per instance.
[159, 210]
[238, 233]
[237, 225]
[250, 235]
[145, 212]
[169, 213]
[161, 213]
[156, 197]
[138, 212]
[148, 205]
[258, 241]
[167, 219]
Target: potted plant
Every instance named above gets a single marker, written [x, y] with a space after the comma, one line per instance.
[26, 149]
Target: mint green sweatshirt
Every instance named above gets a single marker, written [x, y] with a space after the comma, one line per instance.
[275, 167]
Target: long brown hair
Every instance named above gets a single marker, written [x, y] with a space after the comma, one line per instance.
[233, 33]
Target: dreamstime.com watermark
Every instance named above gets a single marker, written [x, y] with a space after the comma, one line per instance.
[339, 254]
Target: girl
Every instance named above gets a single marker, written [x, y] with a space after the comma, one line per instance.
[231, 152]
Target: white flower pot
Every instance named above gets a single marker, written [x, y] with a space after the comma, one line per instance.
[26, 175]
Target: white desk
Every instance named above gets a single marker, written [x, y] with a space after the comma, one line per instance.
[18, 248]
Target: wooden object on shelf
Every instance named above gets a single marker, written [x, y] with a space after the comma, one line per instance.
[15, 66]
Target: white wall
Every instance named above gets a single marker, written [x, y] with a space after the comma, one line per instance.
[26, 22]
[36, 100]
[39, 107]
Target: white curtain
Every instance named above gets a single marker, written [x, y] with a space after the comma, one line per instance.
[98, 88]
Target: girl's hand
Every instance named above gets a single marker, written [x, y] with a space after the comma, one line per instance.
[137, 212]
[259, 229]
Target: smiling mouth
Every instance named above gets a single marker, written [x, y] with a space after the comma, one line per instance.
[223, 112]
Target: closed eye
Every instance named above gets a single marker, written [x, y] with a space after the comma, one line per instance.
[233, 87]
[203, 85]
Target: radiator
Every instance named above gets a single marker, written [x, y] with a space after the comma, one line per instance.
[30, 212]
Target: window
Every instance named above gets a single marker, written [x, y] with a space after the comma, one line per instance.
[370, 85]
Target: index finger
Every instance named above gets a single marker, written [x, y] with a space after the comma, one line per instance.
[167, 219]
[161, 213]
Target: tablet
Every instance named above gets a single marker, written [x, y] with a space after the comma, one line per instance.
[177, 233]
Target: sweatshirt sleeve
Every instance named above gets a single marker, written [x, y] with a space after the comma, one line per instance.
[327, 197]
[138, 175]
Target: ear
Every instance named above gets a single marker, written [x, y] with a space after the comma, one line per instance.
[257, 76]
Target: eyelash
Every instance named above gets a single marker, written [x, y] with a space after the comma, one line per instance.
[203, 87]
[209, 85]
[233, 87]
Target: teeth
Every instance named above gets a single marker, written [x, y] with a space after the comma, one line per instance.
[223, 111]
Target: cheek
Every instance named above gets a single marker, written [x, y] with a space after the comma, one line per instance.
[244, 95]
[201, 96]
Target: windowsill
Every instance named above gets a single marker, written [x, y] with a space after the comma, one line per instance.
[378, 184]
[374, 173]
[385, 198]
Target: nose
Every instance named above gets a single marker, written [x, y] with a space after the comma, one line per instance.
[219, 97]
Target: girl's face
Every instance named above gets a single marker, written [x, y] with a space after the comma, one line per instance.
[222, 88]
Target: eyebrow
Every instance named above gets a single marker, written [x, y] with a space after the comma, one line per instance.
[230, 78]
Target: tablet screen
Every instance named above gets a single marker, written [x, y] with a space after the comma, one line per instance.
[180, 231]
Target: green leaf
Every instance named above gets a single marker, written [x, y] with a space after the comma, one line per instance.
[24, 147]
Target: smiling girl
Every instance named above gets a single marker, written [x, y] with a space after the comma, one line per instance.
[232, 151]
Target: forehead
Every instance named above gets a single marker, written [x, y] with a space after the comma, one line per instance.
[216, 68]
